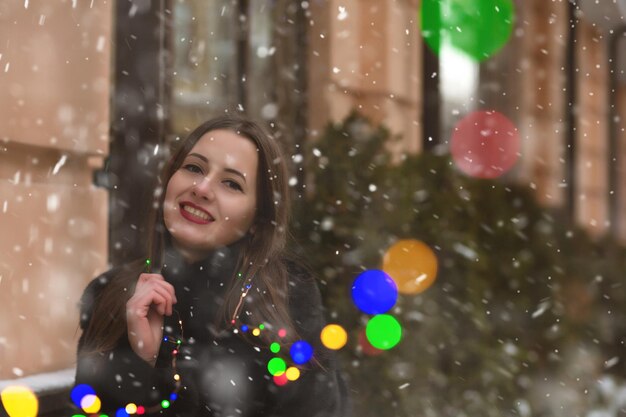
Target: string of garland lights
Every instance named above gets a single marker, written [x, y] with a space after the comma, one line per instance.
[85, 397]
[300, 352]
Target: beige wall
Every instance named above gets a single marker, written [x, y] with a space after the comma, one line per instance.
[54, 78]
[369, 61]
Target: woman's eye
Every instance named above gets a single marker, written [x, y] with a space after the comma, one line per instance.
[192, 168]
[233, 184]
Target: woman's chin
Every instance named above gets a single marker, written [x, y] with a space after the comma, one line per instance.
[192, 244]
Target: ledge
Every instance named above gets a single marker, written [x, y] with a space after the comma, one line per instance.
[51, 388]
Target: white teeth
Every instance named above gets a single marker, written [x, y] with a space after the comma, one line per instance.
[196, 212]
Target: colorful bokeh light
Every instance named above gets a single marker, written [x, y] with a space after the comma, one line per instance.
[131, 408]
[90, 404]
[334, 336]
[19, 401]
[374, 292]
[281, 379]
[121, 412]
[383, 331]
[79, 392]
[292, 373]
[411, 264]
[276, 366]
[479, 28]
[366, 346]
[301, 352]
[485, 144]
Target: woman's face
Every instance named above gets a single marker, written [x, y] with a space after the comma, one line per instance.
[211, 200]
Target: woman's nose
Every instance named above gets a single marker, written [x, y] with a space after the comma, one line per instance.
[203, 188]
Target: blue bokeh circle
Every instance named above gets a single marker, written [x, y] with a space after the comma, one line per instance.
[374, 292]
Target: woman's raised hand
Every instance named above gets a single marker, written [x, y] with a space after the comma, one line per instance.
[153, 298]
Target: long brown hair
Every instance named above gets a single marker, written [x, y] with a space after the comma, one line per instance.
[261, 258]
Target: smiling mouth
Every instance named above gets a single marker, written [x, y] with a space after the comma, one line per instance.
[195, 215]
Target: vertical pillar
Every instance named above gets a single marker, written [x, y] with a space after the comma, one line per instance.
[592, 130]
[138, 123]
[542, 119]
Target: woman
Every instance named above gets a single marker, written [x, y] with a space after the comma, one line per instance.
[188, 332]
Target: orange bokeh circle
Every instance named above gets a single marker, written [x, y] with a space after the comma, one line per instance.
[411, 264]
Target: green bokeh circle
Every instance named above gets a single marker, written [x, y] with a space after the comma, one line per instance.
[477, 27]
[276, 366]
[383, 331]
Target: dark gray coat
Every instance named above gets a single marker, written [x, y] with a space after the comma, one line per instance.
[221, 373]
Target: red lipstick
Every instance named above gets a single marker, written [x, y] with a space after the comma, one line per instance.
[194, 213]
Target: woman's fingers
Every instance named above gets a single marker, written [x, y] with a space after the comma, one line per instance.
[139, 307]
[157, 279]
[152, 299]
[148, 286]
[162, 300]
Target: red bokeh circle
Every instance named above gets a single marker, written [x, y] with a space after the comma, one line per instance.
[485, 144]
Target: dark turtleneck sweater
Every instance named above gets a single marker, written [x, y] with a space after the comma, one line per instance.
[221, 373]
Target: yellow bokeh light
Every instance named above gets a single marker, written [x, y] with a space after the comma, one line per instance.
[411, 264]
[256, 332]
[292, 373]
[334, 336]
[90, 404]
[131, 408]
[19, 401]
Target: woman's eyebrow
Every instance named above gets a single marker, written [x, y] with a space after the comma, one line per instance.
[231, 170]
[197, 155]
